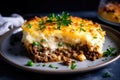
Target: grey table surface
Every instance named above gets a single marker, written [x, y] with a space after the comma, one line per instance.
[9, 72]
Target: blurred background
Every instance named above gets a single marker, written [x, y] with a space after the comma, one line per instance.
[46, 6]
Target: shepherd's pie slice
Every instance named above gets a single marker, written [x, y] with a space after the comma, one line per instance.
[62, 38]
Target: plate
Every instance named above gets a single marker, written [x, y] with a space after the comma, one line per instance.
[108, 21]
[12, 52]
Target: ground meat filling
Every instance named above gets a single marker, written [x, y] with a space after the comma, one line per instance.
[43, 54]
[90, 55]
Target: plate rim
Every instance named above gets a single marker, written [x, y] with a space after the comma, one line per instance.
[81, 70]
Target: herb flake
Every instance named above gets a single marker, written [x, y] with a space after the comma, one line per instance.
[81, 24]
[107, 74]
[63, 19]
[29, 25]
[43, 40]
[94, 37]
[44, 65]
[73, 66]
[82, 29]
[52, 66]
[60, 44]
[109, 52]
[41, 22]
[41, 27]
[38, 65]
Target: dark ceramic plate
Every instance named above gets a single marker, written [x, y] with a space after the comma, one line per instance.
[12, 53]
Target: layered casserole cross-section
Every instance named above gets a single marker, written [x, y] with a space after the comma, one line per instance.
[62, 38]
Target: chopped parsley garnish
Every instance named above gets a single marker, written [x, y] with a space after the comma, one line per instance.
[82, 29]
[41, 22]
[70, 45]
[51, 17]
[63, 19]
[59, 26]
[41, 27]
[60, 44]
[58, 17]
[56, 67]
[81, 24]
[66, 22]
[54, 28]
[109, 52]
[29, 25]
[52, 66]
[43, 40]
[38, 65]
[99, 29]
[30, 63]
[94, 37]
[107, 74]
[35, 43]
[73, 66]
[44, 65]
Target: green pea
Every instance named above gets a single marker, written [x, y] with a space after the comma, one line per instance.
[35, 43]
[30, 63]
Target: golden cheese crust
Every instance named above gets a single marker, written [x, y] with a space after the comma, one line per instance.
[82, 39]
